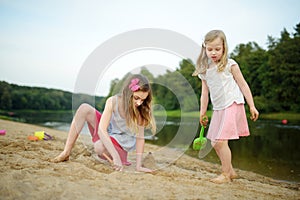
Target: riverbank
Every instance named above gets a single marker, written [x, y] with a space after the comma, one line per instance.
[27, 173]
[271, 116]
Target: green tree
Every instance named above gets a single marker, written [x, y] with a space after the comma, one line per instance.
[187, 67]
[284, 71]
[252, 60]
[6, 101]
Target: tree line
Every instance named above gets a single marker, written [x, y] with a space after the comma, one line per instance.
[272, 74]
[15, 97]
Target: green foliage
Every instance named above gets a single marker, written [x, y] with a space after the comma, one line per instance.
[252, 60]
[14, 97]
[187, 67]
[282, 78]
[174, 91]
[273, 75]
[78, 99]
[5, 96]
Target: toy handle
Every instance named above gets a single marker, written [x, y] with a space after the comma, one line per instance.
[201, 132]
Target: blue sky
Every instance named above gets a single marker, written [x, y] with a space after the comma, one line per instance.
[45, 43]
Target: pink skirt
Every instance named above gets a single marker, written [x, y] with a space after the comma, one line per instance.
[95, 137]
[229, 123]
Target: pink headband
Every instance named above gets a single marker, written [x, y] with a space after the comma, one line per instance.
[134, 85]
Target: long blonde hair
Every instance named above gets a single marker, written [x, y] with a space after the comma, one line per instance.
[141, 115]
[202, 61]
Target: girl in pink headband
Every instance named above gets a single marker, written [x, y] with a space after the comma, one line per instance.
[120, 128]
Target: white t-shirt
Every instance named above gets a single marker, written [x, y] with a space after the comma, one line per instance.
[223, 89]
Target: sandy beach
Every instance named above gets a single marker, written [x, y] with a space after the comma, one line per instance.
[27, 173]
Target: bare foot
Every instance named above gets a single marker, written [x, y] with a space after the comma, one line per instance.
[223, 178]
[60, 158]
[234, 175]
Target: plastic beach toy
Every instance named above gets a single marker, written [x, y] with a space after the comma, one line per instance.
[200, 142]
[32, 138]
[42, 135]
[2, 132]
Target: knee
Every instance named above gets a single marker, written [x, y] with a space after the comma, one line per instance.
[84, 108]
[217, 145]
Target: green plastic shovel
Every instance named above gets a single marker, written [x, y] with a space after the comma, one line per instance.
[200, 142]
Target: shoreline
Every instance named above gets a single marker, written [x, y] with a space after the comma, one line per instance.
[278, 116]
[26, 173]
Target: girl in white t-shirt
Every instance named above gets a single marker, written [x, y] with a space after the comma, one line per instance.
[222, 79]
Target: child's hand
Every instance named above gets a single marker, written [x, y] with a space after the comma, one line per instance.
[117, 164]
[254, 114]
[117, 167]
[203, 120]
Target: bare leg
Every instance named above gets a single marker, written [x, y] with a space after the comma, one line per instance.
[224, 153]
[84, 113]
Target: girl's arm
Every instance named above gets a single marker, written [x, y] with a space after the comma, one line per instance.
[140, 142]
[239, 78]
[203, 104]
[104, 136]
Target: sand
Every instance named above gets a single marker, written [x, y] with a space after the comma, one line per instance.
[27, 173]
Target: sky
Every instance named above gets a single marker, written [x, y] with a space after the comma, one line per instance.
[46, 43]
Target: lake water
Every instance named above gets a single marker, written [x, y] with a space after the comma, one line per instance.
[272, 149]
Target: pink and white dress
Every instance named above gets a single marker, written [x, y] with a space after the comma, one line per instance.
[229, 119]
